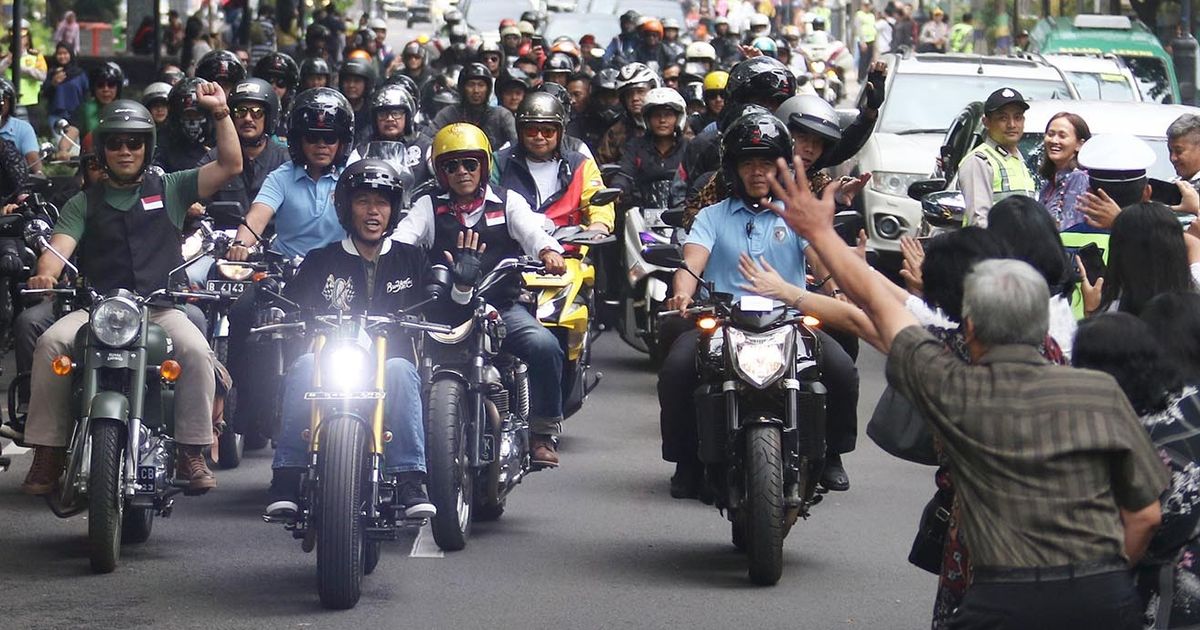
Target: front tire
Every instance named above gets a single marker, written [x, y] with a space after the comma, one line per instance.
[340, 494]
[764, 504]
[106, 502]
[451, 483]
[230, 444]
[137, 525]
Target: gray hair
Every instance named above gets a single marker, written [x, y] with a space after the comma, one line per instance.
[1185, 125]
[1008, 302]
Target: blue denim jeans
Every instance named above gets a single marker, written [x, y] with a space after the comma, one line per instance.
[529, 341]
[401, 412]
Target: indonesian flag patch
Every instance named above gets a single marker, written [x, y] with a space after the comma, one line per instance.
[153, 202]
[494, 218]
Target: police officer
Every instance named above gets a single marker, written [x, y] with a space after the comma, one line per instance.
[127, 231]
[996, 169]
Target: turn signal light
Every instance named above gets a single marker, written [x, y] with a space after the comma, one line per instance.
[170, 370]
[810, 321]
[62, 365]
[258, 276]
[707, 324]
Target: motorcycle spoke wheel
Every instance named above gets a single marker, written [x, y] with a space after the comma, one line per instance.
[451, 485]
[106, 502]
[764, 504]
[341, 492]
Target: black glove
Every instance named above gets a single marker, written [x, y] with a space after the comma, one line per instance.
[468, 267]
[873, 89]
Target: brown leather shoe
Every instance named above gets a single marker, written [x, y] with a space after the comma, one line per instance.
[190, 466]
[543, 453]
[47, 467]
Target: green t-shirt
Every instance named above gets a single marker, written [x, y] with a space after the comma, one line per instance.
[180, 191]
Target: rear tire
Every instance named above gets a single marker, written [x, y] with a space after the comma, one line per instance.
[340, 495]
[764, 504]
[106, 502]
[451, 480]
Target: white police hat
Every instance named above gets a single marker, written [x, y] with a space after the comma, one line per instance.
[1116, 157]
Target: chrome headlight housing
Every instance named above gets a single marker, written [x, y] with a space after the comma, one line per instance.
[760, 358]
[345, 368]
[116, 322]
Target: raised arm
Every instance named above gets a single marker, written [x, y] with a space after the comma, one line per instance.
[229, 150]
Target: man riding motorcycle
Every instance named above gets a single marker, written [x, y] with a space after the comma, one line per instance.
[366, 272]
[634, 81]
[188, 129]
[602, 111]
[395, 137]
[475, 90]
[356, 80]
[314, 73]
[652, 160]
[507, 227]
[221, 67]
[254, 109]
[743, 224]
[281, 72]
[127, 231]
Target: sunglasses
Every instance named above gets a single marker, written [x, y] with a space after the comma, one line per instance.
[255, 112]
[134, 143]
[451, 166]
[112, 85]
[317, 137]
[390, 114]
[281, 83]
[545, 132]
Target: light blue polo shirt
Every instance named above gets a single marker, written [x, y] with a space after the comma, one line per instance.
[20, 133]
[305, 218]
[728, 228]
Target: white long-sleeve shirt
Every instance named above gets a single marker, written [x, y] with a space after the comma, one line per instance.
[525, 226]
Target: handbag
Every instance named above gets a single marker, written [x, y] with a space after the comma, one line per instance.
[899, 428]
[930, 541]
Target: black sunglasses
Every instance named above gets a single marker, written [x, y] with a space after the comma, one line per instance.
[134, 143]
[255, 112]
[451, 166]
[317, 137]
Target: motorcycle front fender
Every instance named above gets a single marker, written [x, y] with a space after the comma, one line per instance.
[110, 405]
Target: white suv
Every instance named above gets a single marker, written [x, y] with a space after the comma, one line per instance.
[924, 94]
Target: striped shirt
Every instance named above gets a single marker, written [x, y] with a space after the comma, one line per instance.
[1042, 455]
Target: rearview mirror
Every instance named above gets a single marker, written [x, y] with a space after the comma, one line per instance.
[608, 170]
[918, 189]
[944, 208]
[672, 217]
[663, 255]
[46, 151]
[226, 212]
[604, 196]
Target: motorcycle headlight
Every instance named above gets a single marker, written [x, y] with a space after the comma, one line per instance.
[895, 184]
[760, 358]
[116, 322]
[346, 368]
[231, 271]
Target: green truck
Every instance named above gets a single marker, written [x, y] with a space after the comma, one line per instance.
[1119, 35]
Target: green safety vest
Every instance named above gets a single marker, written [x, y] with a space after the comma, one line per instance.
[866, 26]
[962, 38]
[1073, 241]
[824, 13]
[1009, 174]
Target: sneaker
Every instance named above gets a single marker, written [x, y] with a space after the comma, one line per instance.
[543, 453]
[411, 495]
[47, 467]
[834, 476]
[190, 466]
[284, 493]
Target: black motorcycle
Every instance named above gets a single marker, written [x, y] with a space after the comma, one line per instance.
[760, 414]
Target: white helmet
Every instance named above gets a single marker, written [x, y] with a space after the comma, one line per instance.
[635, 73]
[759, 20]
[667, 97]
[700, 50]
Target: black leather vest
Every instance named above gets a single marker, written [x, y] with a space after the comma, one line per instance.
[492, 229]
[134, 249]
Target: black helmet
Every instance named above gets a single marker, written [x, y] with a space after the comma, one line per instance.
[511, 77]
[415, 49]
[559, 63]
[124, 116]
[436, 93]
[533, 17]
[560, 94]
[278, 66]
[316, 34]
[258, 91]
[359, 68]
[171, 77]
[475, 71]
[406, 82]
[108, 72]
[606, 79]
[185, 97]
[755, 134]
[368, 174]
[541, 107]
[315, 66]
[734, 111]
[320, 109]
[221, 66]
[458, 34]
[8, 93]
[395, 96]
[361, 39]
[760, 77]
[630, 17]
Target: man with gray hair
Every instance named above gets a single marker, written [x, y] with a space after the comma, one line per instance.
[1183, 142]
[1058, 484]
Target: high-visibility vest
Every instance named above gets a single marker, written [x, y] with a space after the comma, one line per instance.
[962, 38]
[822, 12]
[1010, 176]
[866, 25]
[1073, 241]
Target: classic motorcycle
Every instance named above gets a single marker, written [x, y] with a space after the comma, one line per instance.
[121, 457]
[477, 433]
[645, 285]
[760, 414]
[348, 505]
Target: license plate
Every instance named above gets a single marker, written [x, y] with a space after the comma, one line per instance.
[230, 288]
[372, 395]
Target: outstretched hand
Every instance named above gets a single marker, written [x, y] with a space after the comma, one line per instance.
[807, 214]
[466, 263]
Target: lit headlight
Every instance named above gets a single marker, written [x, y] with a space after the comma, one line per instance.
[895, 184]
[346, 368]
[116, 322]
[818, 66]
[231, 271]
[760, 358]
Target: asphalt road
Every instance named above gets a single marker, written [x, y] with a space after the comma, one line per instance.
[597, 543]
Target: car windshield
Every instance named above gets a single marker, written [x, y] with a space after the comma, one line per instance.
[909, 108]
[1032, 148]
[1096, 86]
[1151, 75]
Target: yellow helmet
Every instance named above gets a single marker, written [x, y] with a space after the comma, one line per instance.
[716, 81]
[458, 139]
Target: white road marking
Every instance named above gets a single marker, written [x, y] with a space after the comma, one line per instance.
[424, 545]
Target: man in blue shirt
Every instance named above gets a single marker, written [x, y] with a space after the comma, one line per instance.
[744, 223]
[15, 130]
